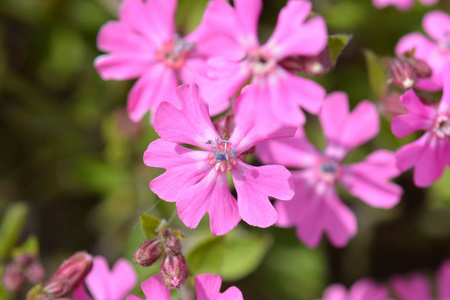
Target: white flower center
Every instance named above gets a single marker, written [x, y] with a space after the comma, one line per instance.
[260, 63]
[328, 170]
[441, 126]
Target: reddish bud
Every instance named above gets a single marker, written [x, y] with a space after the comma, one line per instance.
[148, 252]
[309, 65]
[391, 105]
[23, 260]
[13, 278]
[74, 269]
[58, 288]
[225, 125]
[172, 245]
[421, 67]
[173, 271]
[35, 272]
[402, 74]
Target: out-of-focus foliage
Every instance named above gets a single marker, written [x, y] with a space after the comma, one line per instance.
[70, 153]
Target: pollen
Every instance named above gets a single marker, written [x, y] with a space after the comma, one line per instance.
[222, 156]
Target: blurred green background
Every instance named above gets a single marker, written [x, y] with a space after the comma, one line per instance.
[69, 152]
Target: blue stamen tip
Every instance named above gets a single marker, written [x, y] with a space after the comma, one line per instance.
[233, 152]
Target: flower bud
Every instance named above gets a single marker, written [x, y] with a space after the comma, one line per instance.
[172, 245]
[23, 260]
[391, 105]
[173, 271]
[35, 272]
[57, 288]
[421, 67]
[402, 74]
[309, 65]
[74, 269]
[13, 278]
[225, 125]
[148, 252]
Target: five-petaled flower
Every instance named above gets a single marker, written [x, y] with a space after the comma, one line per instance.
[316, 207]
[144, 44]
[241, 57]
[197, 179]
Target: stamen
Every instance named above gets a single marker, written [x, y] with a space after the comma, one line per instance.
[222, 157]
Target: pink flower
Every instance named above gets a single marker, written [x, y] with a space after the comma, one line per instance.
[143, 44]
[401, 4]
[197, 179]
[316, 207]
[435, 52]
[364, 289]
[429, 154]
[416, 286]
[229, 36]
[106, 284]
[207, 287]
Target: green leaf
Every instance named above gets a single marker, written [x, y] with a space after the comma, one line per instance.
[243, 254]
[11, 227]
[207, 256]
[150, 225]
[377, 74]
[337, 43]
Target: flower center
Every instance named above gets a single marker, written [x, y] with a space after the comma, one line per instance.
[260, 63]
[175, 52]
[441, 126]
[328, 170]
[223, 156]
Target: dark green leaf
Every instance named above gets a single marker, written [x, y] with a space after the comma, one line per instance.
[377, 74]
[207, 256]
[337, 43]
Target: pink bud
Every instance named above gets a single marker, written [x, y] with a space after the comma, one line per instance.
[225, 125]
[173, 271]
[35, 272]
[74, 269]
[391, 105]
[309, 65]
[422, 69]
[402, 74]
[148, 252]
[13, 278]
[57, 288]
[172, 245]
[23, 260]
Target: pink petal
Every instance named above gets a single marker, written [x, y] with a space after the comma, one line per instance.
[294, 36]
[366, 289]
[368, 180]
[97, 280]
[443, 280]
[154, 289]
[444, 106]
[121, 66]
[431, 161]
[437, 25]
[207, 287]
[429, 2]
[122, 280]
[252, 128]
[190, 125]
[248, 12]
[291, 152]
[351, 130]
[155, 25]
[211, 195]
[157, 84]
[80, 293]
[408, 155]
[335, 292]
[420, 117]
[118, 37]
[111, 285]
[254, 185]
[413, 287]
[185, 167]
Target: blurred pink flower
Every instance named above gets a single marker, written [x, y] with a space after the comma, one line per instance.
[316, 207]
[364, 289]
[416, 286]
[106, 284]
[197, 179]
[435, 52]
[230, 37]
[429, 154]
[207, 287]
[144, 44]
[401, 4]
